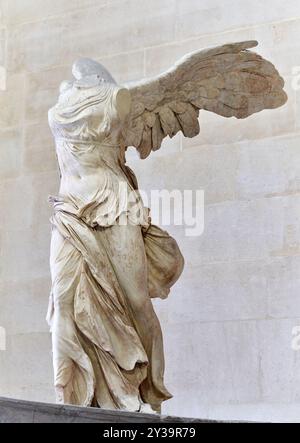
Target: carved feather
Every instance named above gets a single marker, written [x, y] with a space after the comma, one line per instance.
[228, 80]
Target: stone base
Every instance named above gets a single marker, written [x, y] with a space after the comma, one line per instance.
[20, 411]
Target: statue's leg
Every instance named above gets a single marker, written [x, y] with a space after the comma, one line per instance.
[129, 260]
[65, 262]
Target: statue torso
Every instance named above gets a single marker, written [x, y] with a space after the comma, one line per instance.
[87, 130]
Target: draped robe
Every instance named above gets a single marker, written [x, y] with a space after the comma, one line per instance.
[107, 262]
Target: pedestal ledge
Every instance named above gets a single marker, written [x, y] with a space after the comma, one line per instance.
[21, 411]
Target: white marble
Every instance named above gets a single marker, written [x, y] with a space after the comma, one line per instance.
[123, 265]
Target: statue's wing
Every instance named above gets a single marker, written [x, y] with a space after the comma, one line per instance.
[228, 80]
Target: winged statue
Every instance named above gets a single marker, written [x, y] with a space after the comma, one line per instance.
[107, 258]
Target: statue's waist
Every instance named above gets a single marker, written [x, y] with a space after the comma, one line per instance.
[89, 142]
[85, 159]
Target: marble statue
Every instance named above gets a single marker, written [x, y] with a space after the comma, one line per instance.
[107, 259]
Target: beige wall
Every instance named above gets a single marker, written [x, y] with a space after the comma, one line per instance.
[228, 323]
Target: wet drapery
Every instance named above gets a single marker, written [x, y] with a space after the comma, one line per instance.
[107, 340]
[102, 355]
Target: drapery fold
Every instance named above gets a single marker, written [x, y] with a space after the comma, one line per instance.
[101, 359]
[107, 262]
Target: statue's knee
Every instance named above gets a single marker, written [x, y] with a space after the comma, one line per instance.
[143, 309]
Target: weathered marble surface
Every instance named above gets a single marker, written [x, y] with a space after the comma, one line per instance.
[228, 80]
[19, 411]
[258, 158]
[107, 261]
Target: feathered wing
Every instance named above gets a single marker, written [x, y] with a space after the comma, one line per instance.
[228, 80]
